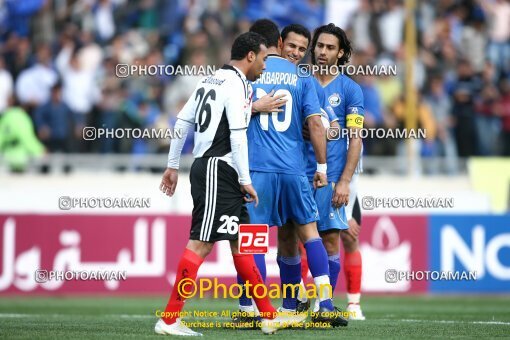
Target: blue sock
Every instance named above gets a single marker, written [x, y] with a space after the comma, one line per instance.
[290, 273]
[260, 260]
[334, 269]
[318, 263]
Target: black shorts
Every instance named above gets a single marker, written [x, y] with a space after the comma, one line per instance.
[356, 212]
[218, 205]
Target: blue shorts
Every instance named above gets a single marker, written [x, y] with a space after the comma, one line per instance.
[329, 216]
[282, 197]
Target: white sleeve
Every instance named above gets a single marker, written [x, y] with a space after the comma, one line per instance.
[238, 111]
[187, 112]
[238, 105]
[239, 145]
[176, 145]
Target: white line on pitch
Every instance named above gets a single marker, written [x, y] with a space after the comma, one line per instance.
[459, 321]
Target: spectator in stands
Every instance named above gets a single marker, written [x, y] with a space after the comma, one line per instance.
[502, 108]
[103, 20]
[391, 26]
[80, 88]
[6, 86]
[499, 46]
[33, 86]
[440, 105]
[361, 27]
[425, 121]
[20, 13]
[374, 115]
[53, 121]
[43, 24]
[473, 44]
[464, 92]
[18, 54]
[109, 107]
[488, 124]
[389, 87]
[18, 143]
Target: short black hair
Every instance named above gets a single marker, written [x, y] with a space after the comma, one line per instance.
[268, 30]
[345, 44]
[298, 29]
[246, 42]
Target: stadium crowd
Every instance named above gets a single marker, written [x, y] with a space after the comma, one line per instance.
[58, 69]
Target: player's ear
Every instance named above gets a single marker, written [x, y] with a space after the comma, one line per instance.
[340, 53]
[280, 43]
[251, 56]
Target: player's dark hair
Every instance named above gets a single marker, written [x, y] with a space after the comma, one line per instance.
[298, 29]
[345, 44]
[268, 30]
[246, 42]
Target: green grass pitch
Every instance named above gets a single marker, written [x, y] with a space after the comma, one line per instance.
[134, 317]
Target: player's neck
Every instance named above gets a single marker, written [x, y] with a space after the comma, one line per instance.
[274, 50]
[240, 65]
[325, 79]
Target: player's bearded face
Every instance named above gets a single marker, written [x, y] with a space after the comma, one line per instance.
[327, 50]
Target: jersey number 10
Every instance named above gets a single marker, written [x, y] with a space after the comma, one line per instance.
[278, 125]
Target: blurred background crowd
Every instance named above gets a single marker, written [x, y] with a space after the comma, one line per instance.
[58, 59]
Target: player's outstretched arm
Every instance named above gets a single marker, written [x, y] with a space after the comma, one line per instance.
[318, 140]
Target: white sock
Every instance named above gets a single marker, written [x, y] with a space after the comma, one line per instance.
[353, 298]
[302, 292]
[323, 286]
[255, 308]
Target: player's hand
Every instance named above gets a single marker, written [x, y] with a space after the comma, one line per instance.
[252, 194]
[320, 180]
[354, 229]
[306, 132]
[169, 182]
[268, 103]
[341, 195]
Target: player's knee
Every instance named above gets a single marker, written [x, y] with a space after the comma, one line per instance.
[288, 247]
[331, 243]
[349, 243]
[307, 231]
[200, 248]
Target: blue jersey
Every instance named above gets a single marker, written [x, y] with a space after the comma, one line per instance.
[275, 141]
[344, 96]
